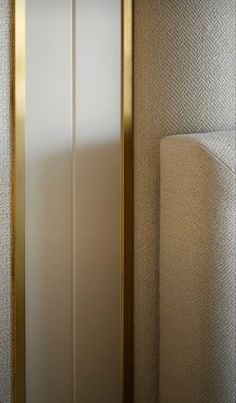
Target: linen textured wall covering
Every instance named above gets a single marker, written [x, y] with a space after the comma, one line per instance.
[5, 202]
[184, 82]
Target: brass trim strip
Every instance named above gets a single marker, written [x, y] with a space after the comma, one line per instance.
[127, 220]
[73, 205]
[19, 202]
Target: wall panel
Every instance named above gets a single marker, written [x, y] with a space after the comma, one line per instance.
[48, 201]
[73, 70]
[184, 82]
[97, 208]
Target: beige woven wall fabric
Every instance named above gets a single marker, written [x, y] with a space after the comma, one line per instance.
[5, 202]
[197, 269]
[184, 82]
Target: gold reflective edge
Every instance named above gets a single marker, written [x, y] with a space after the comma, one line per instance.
[18, 207]
[127, 220]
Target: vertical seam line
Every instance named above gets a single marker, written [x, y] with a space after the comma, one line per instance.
[73, 215]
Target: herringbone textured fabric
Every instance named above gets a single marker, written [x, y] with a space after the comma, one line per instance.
[197, 269]
[5, 203]
[184, 82]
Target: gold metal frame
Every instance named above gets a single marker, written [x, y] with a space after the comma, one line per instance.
[19, 202]
[127, 221]
[126, 202]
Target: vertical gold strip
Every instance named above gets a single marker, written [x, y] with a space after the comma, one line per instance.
[73, 186]
[19, 202]
[127, 221]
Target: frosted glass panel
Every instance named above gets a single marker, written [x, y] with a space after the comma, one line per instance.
[73, 70]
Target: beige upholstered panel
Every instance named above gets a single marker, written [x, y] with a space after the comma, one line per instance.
[5, 203]
[197, 269]
[184, 73]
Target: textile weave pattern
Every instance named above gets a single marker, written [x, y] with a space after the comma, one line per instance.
[197, 269]
[184, 82]
[5, 202]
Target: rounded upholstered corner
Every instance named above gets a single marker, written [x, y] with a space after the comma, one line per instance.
[197, 268]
